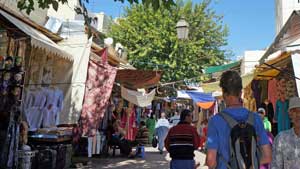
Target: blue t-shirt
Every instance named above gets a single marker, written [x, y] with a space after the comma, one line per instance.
[218, 133]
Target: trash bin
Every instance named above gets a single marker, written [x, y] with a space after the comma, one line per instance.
[25, 158]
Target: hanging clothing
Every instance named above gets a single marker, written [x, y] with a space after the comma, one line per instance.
[272, 92]
[282, 116]
[54, 104]
[8, 156]
[256, 91]
[128, 123]
[34, 105]
[100, 79]
[138, 114]
[264, 90]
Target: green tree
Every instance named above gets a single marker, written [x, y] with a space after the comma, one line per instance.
[152, 43]
[28, 5]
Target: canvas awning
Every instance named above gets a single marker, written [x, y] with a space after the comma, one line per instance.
[38, 39]
[221, 68]
[214, 86]
[265, 72]
[135, 79]
[203, 100]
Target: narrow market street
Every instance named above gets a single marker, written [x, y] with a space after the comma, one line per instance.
[153, 160]
[154, 84]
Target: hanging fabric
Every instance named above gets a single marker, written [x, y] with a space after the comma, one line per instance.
[100, 79]
[141, 99]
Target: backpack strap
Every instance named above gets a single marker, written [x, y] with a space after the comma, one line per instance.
[228, 119]
[250, 119]
[255, 162]
[241, 163]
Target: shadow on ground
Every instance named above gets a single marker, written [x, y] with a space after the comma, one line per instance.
[152, 160]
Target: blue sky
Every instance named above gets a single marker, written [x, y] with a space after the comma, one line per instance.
[251, 23]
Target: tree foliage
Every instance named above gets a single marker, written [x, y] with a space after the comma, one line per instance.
[28, 5]
[152, 43]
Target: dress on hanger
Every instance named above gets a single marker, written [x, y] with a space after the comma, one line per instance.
[282, 115]
[128, 123]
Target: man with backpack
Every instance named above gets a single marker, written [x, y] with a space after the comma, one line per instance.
[236, 137]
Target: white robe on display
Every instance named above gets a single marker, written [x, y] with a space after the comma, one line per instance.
[33, 106]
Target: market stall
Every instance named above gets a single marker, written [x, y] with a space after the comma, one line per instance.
[31, 65]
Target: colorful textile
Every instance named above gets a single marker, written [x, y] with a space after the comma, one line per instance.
[99, 85]
[272, 92]
[129, 124]
[282, 115]
[200, 96]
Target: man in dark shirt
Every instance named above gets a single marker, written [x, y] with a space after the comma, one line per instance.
[181, 142]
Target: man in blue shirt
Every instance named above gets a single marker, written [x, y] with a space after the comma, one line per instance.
[218, 134]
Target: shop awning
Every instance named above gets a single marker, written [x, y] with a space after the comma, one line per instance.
[214, 86]
[265, 72]
[221, 68]
[38, 39]
[203, 100]
[135, 79]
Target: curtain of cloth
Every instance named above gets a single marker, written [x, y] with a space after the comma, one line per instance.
[140, 99]
[272, 92]
[99, 85]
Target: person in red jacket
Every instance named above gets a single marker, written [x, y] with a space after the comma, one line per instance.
[181, 142]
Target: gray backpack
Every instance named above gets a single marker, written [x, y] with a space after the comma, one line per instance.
[244, 151]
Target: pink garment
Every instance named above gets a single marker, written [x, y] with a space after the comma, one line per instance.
[272, 92]
[100, 80]
[130, 125]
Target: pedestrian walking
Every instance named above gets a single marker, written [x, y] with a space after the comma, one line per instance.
[286, 147]
[267, 124]
[181, 142]
[230, 125]
[268, 127]
[174, 120]
[150, 124]
[161, 130]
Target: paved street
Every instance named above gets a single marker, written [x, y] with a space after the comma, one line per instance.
[153, 160]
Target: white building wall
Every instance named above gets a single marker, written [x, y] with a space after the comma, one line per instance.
[38, 15]
[65, 11]
[284, 9]
[250, 60]
[104, 22]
